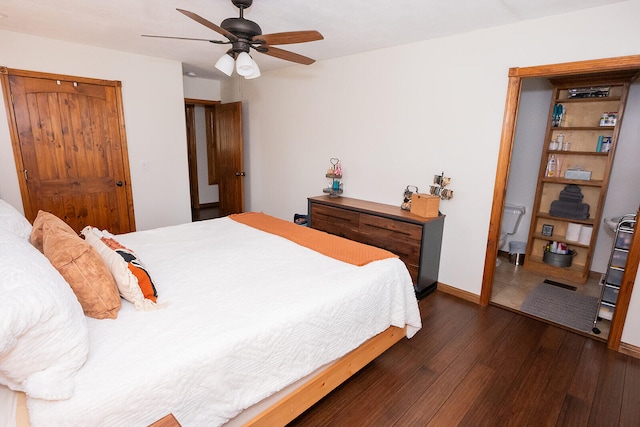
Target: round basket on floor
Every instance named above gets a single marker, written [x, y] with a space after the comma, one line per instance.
[558, 260]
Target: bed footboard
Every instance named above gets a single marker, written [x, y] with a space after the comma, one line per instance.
[295, 403]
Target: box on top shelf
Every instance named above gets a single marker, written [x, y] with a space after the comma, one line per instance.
[425, 205]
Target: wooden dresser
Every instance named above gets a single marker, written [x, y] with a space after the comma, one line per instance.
[416, 240]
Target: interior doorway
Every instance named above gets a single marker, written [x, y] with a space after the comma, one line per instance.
[515, 286]
[516, 76]
[201, 156]
[216, 175]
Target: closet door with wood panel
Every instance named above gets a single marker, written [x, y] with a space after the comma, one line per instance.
[70, 149]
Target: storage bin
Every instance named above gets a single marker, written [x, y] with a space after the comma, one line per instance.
[619, 258]
[558, 260]
[606, 312]
[610, 295]
[425, 205]
[614, 276]
[623, 241]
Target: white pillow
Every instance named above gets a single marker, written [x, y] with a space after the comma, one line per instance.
[12, 221]
[127, 282]
[44, 338]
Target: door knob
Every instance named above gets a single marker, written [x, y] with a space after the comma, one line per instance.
[240, 174]
[119, 183]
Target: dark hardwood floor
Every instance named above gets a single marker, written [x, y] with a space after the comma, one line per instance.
[475, 366]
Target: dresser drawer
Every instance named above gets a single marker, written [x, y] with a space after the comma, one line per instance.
[401, 238]
[340, 222]
[407, 249]
[372, 224]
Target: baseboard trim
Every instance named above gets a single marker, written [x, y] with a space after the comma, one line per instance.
[467, 296]
[629, 350]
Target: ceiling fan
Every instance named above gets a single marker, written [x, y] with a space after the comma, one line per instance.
[244, 35]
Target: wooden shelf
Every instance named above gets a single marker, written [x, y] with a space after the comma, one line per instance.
[567, 128]
[579, 126]
[559, 239]
[588, 221]
[578, 153]
[565, 181]
[594, 99]
[574, 272]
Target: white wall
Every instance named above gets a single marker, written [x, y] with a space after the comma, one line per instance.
[527, 147]
[397, 116]
[154, 117]
[203, 89]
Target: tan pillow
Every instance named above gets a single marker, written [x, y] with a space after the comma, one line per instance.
[80, 265]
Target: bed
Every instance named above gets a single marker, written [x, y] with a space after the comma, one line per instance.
[255, 320]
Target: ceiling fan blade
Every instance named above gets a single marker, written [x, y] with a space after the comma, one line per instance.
[185, 38]
[289, 37]
[288, 56]
[208, 24]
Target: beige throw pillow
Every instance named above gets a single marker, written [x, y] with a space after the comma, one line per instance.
[80, 265]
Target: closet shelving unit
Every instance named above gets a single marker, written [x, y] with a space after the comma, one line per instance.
[580, 126]
[615, 269]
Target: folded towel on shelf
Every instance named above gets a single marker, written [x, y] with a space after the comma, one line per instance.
[572, 188]
[569, 210]
[569, 204]
[573, 198]
[571, 193]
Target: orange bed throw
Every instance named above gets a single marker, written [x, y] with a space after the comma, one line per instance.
[327, 244]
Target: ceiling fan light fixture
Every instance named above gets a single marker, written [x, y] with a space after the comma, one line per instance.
[225, 64]
[255, 74]
[245, 65]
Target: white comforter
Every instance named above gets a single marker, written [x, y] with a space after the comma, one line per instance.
[248, 313]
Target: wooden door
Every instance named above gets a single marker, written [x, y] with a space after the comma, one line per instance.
[192, 155]
[228, 136]
[70, 149]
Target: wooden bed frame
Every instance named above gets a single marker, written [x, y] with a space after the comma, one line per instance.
[301, 399]
[294, 404]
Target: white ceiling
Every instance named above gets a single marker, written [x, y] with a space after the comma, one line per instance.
[349, 26]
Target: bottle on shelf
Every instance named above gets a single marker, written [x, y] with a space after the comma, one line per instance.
[551, 166]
